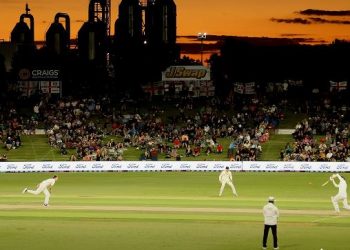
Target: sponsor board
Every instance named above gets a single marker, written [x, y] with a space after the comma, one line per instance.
[80, 166]
[131, 166]
[27, 74]
[64, 167]
[116, 166]
[11, 167]
[201, 166]
[342, 167]
[219, 166]
[235, 166]
[325, 167]
[252, 166]
[28, 167]
[185, 166]
[186, 73]
[149, 166]
[167, 166]
[305, 167]
[272, 167]
[287, 167]
[174, 166]
[47, 167]
[98, 166]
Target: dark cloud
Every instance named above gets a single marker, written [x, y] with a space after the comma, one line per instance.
[310, 20]
[300, 38]
[291, 20]
[327, 21]
[210, 38]
[195, 48]
[315, 12]
[190, 44]
[308, 40]
[79, 21]
[292, 35]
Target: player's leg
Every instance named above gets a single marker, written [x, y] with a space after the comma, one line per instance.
[335, 200]
[47, 196]
[274, 233]
[345, 204]
[222, 188]
[266, 234]
[37, 191]
[233, 188]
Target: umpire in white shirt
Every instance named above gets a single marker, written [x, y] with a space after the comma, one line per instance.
[271, 214]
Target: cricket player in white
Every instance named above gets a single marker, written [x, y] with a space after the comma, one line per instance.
[44, 187]
[226, 178]
[342, 194]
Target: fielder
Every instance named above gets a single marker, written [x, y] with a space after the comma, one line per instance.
[342, 194]
[226, 178]
[45, 187]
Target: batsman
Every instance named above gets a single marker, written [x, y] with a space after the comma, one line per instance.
[342, 194]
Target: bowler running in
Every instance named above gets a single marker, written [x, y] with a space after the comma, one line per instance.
[226, 178]
[342, 194]
[45, 187]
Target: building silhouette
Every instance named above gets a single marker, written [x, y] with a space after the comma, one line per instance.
[145, 40]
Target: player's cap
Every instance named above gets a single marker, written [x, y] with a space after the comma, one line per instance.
[271, 199]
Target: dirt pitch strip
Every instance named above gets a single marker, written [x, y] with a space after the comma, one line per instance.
[170, 209]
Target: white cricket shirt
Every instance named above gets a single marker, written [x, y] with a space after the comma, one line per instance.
[48, 183]
[225, 176]
[342, 187]
[271, 214]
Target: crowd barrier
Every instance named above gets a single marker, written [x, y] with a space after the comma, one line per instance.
[258, 166]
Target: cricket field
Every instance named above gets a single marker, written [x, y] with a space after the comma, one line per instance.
[168, 211]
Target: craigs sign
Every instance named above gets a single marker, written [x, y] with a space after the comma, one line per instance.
[38, 74]
[186, 73]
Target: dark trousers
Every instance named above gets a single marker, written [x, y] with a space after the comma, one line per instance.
[274, 234]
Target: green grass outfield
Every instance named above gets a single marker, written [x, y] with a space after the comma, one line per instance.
[168, 210]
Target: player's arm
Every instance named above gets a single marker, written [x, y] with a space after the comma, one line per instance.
[338, 176]
[334, 183]
[277, 212]
[220, 176]
[230, 176]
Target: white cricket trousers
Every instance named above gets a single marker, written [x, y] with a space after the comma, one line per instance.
[336, 199]
[223, 184]
[39, 190]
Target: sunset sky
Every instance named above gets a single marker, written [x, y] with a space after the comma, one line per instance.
[270, 18]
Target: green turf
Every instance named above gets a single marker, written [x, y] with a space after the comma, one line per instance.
[291, 119]
[35, 148]
[55, 228]
[272, 148]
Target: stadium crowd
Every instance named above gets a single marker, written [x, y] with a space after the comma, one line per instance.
[97, 129]
[155, 131]
[13, 125]
[323, 136]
